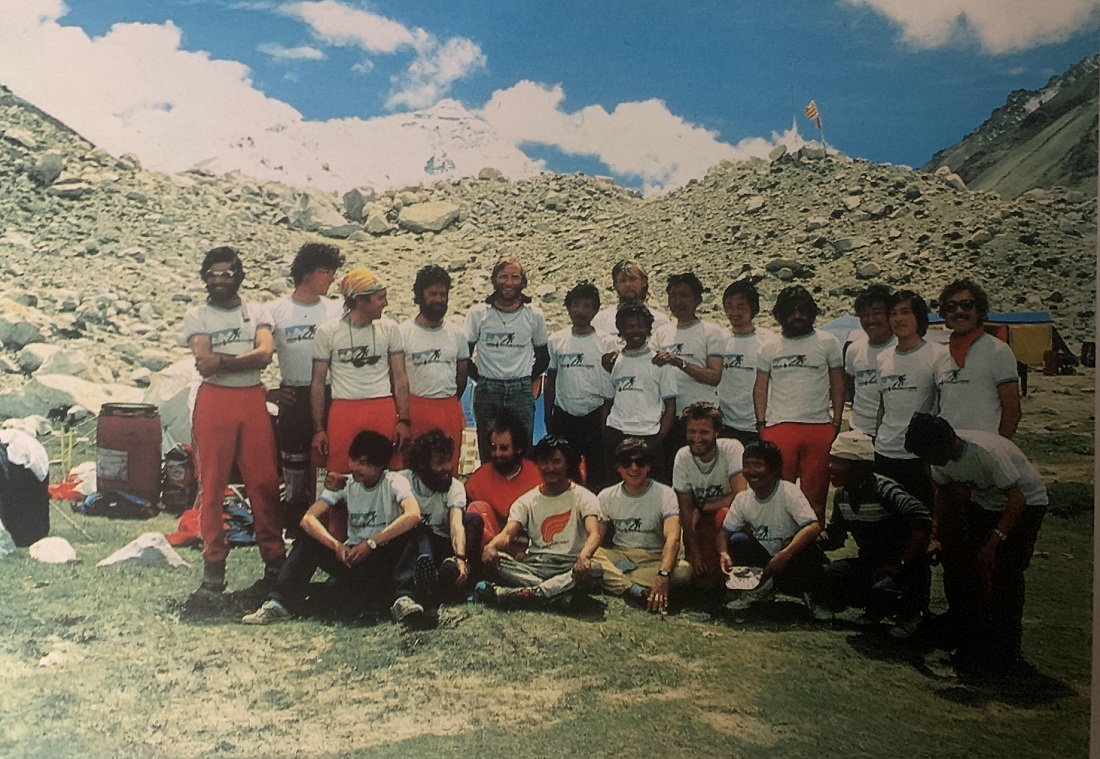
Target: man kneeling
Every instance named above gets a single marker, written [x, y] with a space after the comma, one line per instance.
[561, 521]
[643, 517]
[377, 560]
[771, 525]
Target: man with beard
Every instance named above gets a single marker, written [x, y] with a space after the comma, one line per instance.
[296, 318]
[507, 475]
[509, 338]
[436, 358]
[364, 356]
[741, 302]
[631, 284]
[860, 367]
[231, 341]
[706, 475]
[448, 537]
[560, 521]
[799, 377]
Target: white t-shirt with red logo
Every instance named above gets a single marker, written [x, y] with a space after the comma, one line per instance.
[555, 524]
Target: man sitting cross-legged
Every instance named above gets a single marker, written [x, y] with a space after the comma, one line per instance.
[771, 525]
[643, 519]
[377, 560]
[448, 536]
[561, 521]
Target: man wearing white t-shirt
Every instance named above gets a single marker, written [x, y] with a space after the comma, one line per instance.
[860, 360]
[631, 284]
[376, 561]
[692, 346]
[706, 475]
[507, 336]
[560, 520]
[296, 319]
[741, 302]
[799, 394]
[437, 358]
[231, 341]
[643, 519]
[986, 538]
[982, 390]
[576, 383]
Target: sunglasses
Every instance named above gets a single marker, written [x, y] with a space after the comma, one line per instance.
[360, 361]
[221, 274]
[955, 305]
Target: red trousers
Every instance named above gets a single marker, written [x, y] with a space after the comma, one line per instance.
[231, 424]
[438, 413]
[347, 418]
[805, 449]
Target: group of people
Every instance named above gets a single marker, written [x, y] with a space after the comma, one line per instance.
[661, 431]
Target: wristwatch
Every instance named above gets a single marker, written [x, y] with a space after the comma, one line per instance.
[664, 573]
[373, 545]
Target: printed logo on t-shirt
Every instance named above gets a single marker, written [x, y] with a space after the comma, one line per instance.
[760, 532]
[223, 337]
[358, 355]
[573, 361]
[633, 524]
[676, 349]
[891, 382]
[708, 492]
[300, 332]
[625, 384]
[500, 339]
[866, 377]
[793, 361]
[734, 361]
[360, 520]
[952, 378]
[423, 358]
[553, 525]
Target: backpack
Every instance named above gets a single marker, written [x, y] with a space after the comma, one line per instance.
[179, 482]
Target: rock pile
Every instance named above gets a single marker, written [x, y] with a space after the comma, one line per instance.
[99, 257]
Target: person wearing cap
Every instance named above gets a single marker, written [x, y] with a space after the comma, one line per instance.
[231, 341]
[507, 338]
[982, 389]
[631, 284]
[799, 394]
[296, 319]
[860, 359]
[363, 355]
[890, 574]
[988, 505]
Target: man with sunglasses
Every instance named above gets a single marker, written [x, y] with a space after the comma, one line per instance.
[363, 355]
[231, 341]
[982, 389]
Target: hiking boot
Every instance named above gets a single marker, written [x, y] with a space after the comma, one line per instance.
[513, 598]
[485, 593]
[425, 576]
[820, 611]
[905, 625]
[406, 610]
[448, 574]
[213, 578]
[269, 613]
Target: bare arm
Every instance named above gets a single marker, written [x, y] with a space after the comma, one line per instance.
[314, 527]
[836, 395]
[583, 567]
[317, 406]
[399, 382]
[410, 518]
[491, 553]
[760, 396]
[1009, 395]
[667, 418]
[801, 539]
[849, 386]
[548, 393]
[737, 484]
[462, 367]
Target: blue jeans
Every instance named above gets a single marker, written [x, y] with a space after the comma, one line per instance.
[491, 396]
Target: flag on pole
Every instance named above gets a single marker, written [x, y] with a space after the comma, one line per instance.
[812, 114]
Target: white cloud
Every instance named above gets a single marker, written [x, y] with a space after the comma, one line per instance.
[640, 139]
[998, 26]
[436, 66]
[281, 53]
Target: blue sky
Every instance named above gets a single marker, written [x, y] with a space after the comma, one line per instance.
[650, 92]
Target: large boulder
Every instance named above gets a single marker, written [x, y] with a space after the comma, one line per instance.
[355, 201]
[434, 216]
[48, 168]
[20, 325]
[46, 392]
[313, 210]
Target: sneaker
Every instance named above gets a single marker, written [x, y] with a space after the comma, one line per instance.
[905, 625]
[485, 593]
[268, 614]
[765, 591]
[739, 601]
[404, 609]
[425, 575]
[819, 611]
[517, 597]
[448, 573]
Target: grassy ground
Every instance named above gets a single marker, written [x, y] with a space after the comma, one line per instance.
[134, 674]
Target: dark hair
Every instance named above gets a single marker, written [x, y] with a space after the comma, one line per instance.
[623, 266]
[766, 451]
[546, 447]
[700, 411]
[746, 288]
[429, 275]
[583, 291]
[313, 256]
[871, 295]
[373, 446]
[508, 421]
[981, 298]
[223, 255]
[928, 436]
[686, 278]
[916, 303]
[633, 310]
[630, 447]
[790, 298]
[424, 448]
[498, 267]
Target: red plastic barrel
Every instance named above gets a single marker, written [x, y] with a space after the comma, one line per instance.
[128, 450]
